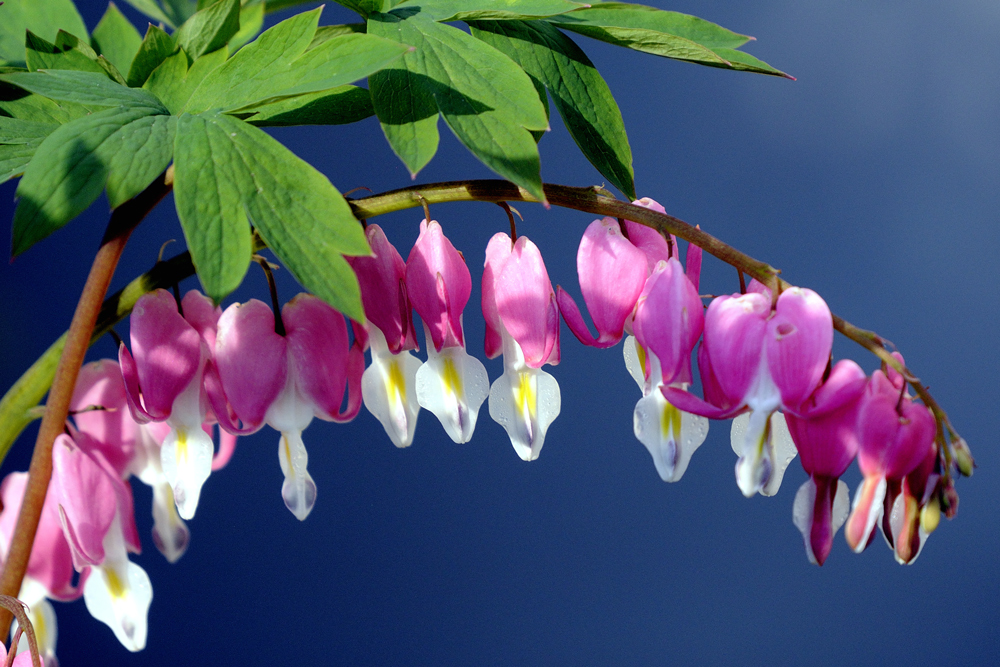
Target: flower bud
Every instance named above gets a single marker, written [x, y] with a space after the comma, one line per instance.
[962, 457]
[930, 515]
[949, 500]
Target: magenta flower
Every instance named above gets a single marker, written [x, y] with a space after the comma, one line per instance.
[896, 435]
[911, 509]
[612, 273]
[826, 435]
[756, 359]
[522, 321]
[452, 384]
[388, 384]
[163, 380]
[285, 381]
[97, 517]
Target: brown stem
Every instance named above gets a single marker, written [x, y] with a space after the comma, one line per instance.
[123, 221]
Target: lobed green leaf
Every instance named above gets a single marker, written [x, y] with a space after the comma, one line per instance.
[68, 52]
[116, 38]
[80, 87]
[485, 98]
[19, 103]
[173, 81]
[18, 131]
[280, 64]
[14, 158]
[229, 174]
[251, 23]
[153, 10]
[155, 48]
[338, 106]
[483, 10]
[42, 17]
[662, 33]
[180, 11]
[580, 93]
[209, 29]
[72, 165]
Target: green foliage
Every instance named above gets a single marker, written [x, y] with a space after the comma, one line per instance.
[18, 141]
[280, 63]
[251, 22]
[487, 100]
[19, 103]
[339, 106]
[152, 9]
[663, 33]
[42, 17]
[116, 38]
[583, 98]
[73, 164]
[483, 10]
[173, 81]
[229, 174]
[81, 87]
[68, 52]
[155, 48]
[209, 29]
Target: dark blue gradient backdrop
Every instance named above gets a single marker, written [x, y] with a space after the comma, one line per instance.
[872, 179]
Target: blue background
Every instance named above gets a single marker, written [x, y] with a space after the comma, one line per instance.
[873, 179]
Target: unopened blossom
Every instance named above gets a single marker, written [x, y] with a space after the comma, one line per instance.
[911, 510]
[286, 380]
[668, 322]
[452, 384]
[163, 378]
[97, 517]
[825, 433]
[389, 383]
[522, 322]
[896, 435]
[756, 359]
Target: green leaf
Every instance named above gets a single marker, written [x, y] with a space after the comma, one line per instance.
[179, 11]
[155, 48]
[19, 103]
[462, 10]
[173, 82]
[327, 32]
[339, 106]
[209, 29]
[17, 131]
[116, 38]
[153, 10]
[68, 52]
[745, 62]
[363, 7]
[228, 173]
[72, 165]
[42, 17]
[279, 64]
[486, 99]
[145, 148]
[251, 22]
[583, 98]
[81, 87]
[15, 157]
[662, 33]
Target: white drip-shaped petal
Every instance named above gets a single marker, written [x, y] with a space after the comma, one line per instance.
[170, 534]
[897, 523]
[765, 448]
[452, 384]
[670, 435]
[524, 400]
[388, 389]
[634, 358]
[118, 592]
[186, 453]
[43, 621]
[298, 490]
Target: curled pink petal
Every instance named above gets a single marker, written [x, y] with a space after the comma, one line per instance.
[439, 285]
[497, 253]
[202, 314]
[102, 412]
[251, 360]
[318, 347]
[527, 304]
[86, 500]
[734, 336]
[692, 264]
[166, 350]
[227, 445]
[669, 320]
[799, 340]
[895, 435]
[383, 291]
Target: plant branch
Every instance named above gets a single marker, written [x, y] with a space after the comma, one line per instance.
[123, 221]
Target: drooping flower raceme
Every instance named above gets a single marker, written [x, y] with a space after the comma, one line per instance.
[285, 381]
[452, 384]
[825, 433]
[756, 359]
[98, 520]
[895, 435]
[389, 383]
[522, 321]
[163, 379]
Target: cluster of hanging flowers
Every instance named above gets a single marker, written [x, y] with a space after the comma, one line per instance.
[764, 361]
